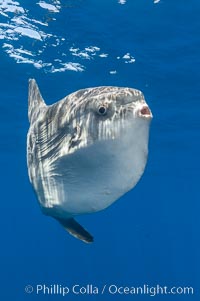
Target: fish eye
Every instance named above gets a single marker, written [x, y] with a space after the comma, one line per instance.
[102, 110]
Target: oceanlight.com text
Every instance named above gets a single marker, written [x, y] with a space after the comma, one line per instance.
[109, 289]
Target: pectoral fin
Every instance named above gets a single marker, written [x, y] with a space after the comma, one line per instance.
[76, 229]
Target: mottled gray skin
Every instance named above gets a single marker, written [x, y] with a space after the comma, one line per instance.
[81, 161]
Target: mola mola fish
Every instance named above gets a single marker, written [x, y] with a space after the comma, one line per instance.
[86, 151]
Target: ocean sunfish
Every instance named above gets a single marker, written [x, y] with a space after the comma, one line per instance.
[85, 151]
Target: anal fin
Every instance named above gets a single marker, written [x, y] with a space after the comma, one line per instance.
[75, 229]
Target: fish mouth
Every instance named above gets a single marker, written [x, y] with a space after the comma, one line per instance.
[144, 112]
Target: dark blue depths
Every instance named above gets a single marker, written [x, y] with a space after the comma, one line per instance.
[151, 235]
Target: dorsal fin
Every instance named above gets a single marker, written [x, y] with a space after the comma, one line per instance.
[35, 100]
[76, 229]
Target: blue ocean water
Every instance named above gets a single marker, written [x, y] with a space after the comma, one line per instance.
[151, 236]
